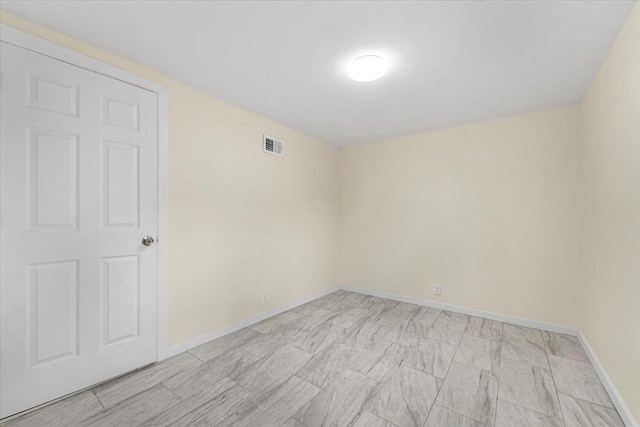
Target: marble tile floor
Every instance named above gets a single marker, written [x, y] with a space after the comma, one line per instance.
[349, 359]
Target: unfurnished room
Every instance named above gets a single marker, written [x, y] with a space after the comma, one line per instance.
[320, 213]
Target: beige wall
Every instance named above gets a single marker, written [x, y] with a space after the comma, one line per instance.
[242, 224]
[487, 210]
[610, 245]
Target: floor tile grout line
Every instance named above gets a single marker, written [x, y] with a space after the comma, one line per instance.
[549, 353]
[532, 410]
[379, 385]
[449, 368]
[98, 399]
[206, 413]
[525, 407]
[480, 335]
[553, 378]
[495, 410]
[467, 416]
[203, 361]
[500, 374]
[171, 391]
[590, 403]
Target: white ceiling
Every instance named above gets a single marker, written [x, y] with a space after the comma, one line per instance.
[451, 62]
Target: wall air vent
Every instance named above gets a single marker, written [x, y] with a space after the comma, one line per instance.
[272, 146]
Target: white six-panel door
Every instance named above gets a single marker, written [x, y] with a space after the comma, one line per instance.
[79, 191]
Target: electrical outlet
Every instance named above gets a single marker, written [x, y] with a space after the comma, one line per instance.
[265, 300]
[438, 290]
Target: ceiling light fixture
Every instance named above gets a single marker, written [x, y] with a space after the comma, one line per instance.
[367, 68]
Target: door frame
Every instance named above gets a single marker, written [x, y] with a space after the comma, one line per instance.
[35, 44]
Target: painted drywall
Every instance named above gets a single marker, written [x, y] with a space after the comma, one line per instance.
[242, 224]
[610, 244]
[488, 211]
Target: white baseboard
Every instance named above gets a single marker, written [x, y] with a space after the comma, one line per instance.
[175, 349]
[624, 411]
[470, 311]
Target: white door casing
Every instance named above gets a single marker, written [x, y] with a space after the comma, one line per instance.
[79, 191]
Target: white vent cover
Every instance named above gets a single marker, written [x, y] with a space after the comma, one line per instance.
[272, 146]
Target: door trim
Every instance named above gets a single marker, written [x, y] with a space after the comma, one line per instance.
[35, 44]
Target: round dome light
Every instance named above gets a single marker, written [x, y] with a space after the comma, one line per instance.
[367, 68]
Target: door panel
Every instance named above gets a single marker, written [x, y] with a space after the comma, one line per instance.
[79, 191]
[120, 112]
[121, 189]
[52, 96]
[121, 308]
[52, 179]
[52, 307]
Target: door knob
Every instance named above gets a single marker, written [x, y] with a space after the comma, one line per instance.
[148, 241]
